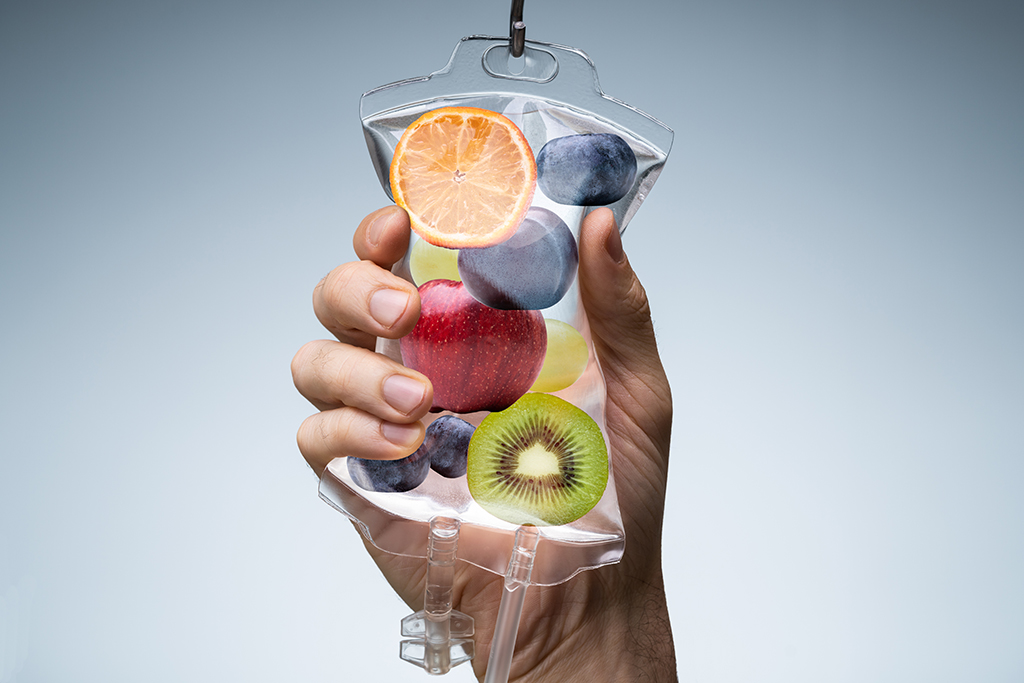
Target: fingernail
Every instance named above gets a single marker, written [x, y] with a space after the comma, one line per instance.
[400, 435]
[402, 393]
[376, 229]
[613, 245]
[388, 305]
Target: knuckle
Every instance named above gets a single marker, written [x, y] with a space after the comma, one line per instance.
[307, 430]
[323, 435]
[337, 286]
[303, 358]
[337, 368]
[636, 299]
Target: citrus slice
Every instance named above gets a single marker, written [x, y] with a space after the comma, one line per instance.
[465, 176]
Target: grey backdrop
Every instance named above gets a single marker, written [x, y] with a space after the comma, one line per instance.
[834, 256]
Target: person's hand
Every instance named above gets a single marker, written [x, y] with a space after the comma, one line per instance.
[606, 624]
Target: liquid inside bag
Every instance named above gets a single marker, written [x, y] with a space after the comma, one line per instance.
[503, 334]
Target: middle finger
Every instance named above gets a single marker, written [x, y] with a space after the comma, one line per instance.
[330, 375]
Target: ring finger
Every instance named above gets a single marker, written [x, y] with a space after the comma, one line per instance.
[352, 432]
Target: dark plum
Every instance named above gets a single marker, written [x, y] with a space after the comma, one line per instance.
[447, 445]
[529, 271]
[593, 169]
[390, 476]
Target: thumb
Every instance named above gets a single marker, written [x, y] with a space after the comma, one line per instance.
[621, 325]
[615, 301]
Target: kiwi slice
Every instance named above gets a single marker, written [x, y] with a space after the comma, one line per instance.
[541, 461]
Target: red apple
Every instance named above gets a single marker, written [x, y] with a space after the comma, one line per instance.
[477, 357]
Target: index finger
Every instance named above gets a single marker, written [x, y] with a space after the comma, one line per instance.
[383, 236]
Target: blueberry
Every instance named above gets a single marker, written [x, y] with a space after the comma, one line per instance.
[529, 271]
[447, 442]
[390, 476]
[594, 169]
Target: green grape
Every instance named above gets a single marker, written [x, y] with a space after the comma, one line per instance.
[428, 262]
[565, 358]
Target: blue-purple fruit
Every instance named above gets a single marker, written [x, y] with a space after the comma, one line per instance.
[529, 271]
[593, 169]
[447, 445]
[390, 476]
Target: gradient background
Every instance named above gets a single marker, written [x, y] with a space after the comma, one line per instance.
[834, 256]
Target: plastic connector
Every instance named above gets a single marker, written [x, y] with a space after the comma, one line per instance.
[438, 637]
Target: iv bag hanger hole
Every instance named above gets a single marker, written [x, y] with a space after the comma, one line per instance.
[518, 61]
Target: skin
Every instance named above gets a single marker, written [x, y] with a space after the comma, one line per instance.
[607, 624]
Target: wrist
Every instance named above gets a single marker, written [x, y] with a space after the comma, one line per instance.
[625, 636]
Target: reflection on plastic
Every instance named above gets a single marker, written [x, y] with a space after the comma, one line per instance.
[484, 540]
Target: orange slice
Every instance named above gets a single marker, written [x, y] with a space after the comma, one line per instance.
[466, 177]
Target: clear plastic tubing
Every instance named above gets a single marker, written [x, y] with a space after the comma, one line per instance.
[517, 579]
[443, 541]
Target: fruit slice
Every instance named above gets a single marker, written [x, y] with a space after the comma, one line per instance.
[565, 359]
[543, 461]
[466, 177]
